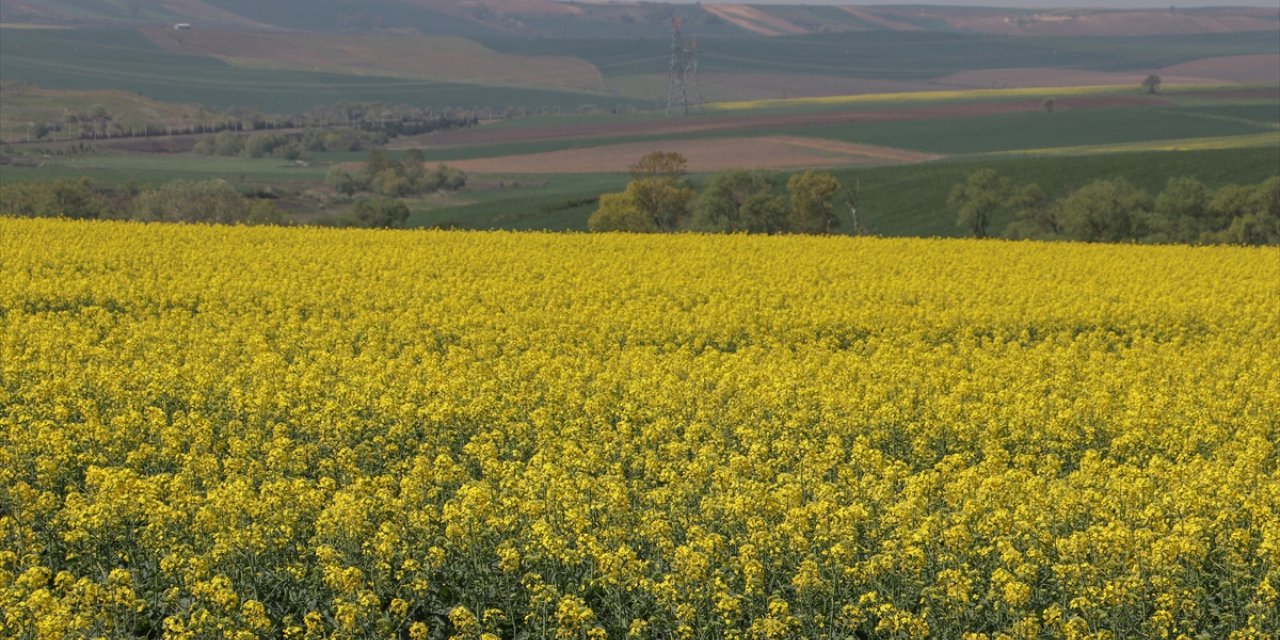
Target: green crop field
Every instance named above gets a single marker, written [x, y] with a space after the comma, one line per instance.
[953, 135]
[1035, 130]
[553, 203]
[335, 15]
[896, 55]
[126, 60]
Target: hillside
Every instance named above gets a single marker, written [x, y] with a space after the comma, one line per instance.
[546, 18]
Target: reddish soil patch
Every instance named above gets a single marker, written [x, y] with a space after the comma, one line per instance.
[717, 154]
[755, 20]
[407, 56]
[675, 126]
[466, 8]
[1254, 68]
[867, 15]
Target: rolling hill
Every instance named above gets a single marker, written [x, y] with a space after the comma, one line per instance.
[548, 18]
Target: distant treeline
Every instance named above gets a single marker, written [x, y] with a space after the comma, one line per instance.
[660, 198]
[206, 201]
[209, 201]
[290, 146]
[99, 123]
[1185, 212]
[380, 174]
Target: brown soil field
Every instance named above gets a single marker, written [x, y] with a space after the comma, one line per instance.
[466, 8]
[408, 56]
[769, 152]
[675, 126]
[867, 15]
[1254, 68]
[753, 19]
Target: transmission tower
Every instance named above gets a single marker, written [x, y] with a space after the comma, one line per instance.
[683, 78]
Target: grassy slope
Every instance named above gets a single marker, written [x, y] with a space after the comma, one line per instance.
[440, 59]
[336, 15]
[25, 104]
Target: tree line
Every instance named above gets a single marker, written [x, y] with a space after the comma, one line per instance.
[289, 146]
[97, 122]
[1114, 210]
[208, 201]
[191, 201]
[660, 198]
[395, 179]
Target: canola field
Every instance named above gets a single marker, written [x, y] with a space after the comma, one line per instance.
[227, 432]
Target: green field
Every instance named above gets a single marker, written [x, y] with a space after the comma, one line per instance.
[919, 55]
[555, 203]
[954, 135]
[127, 60]
[1015, 131]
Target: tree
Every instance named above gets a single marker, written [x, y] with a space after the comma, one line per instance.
[621, 212]
[1105, 211]
[264, 144]
[1033, 217]
[228, 144]
[451, 179]
[764, 213]
[1151, 83]
[381, 213]
[343, 181]
[978, 198]
[660, 188]
[739, 201]
[1255, 214]
[66, 198]
[212, 201]
[812, 206]
[1182, 210]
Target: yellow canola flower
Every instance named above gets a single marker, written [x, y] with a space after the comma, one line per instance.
[221, 432]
